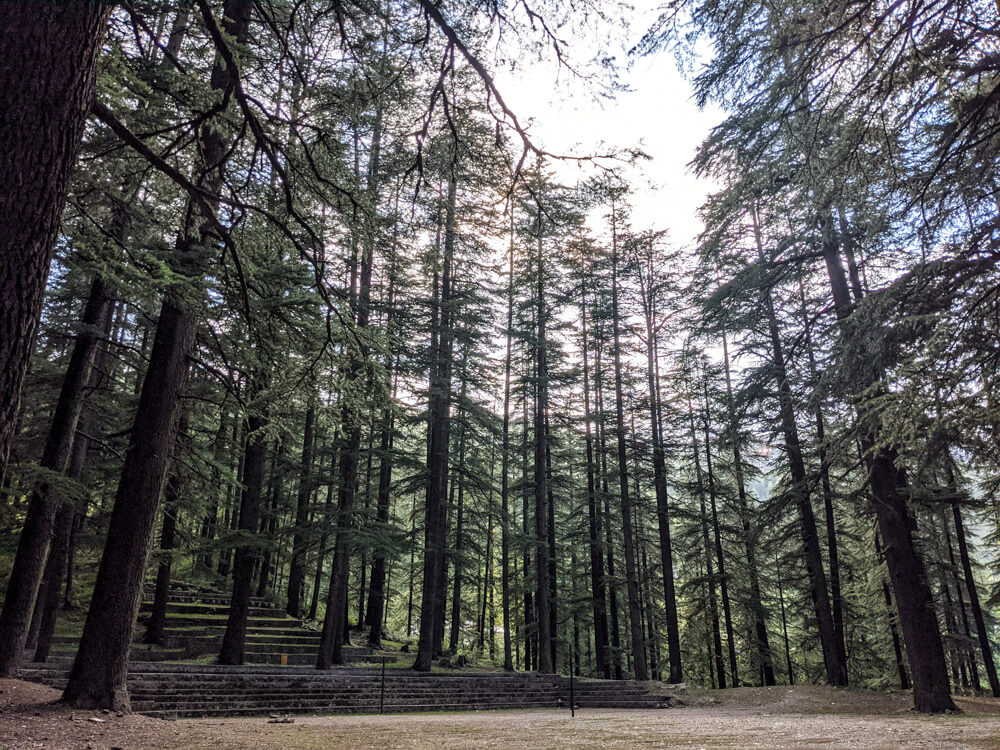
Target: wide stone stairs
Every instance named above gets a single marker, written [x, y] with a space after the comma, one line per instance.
[174, 691]
[196, 621]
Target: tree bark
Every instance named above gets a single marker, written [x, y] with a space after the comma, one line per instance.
[97, 679]
[50, 53]
[713, 605]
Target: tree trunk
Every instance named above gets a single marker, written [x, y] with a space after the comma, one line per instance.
[97, 679]
[836, 668]
[234, 639]
[297, 571]
[438, 428]
[966, 625]
[632, 584]
[616, 649]
[324, 538]
[50, 53]
[921, 632]
[508, 659]
[970, 585]
[749, 537]
[713, 605]
[458, 562]
[36, 535]
[784, 627]
[598, 597]
[727, 612]
[269, 523]
[542, 589]
[904, 678]
[156, 627]
[377, 595]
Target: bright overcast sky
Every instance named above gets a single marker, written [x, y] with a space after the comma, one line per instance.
[657, 115]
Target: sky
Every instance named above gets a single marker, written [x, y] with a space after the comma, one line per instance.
[657, 114]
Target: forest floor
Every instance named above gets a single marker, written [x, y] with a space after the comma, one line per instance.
[781, 717]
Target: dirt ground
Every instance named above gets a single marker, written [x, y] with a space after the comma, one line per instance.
[781, 717]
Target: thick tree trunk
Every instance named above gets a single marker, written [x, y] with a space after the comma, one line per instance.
[97, 679]
[50, 51]
[914, 600]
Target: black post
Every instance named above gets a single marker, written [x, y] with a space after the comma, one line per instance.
[572, 698]
[381, 694]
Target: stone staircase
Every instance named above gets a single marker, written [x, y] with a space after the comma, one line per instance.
[196, 622]
[172, 691]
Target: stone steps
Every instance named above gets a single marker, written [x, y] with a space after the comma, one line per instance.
[208, 690]
[176, 621]
[262, 632]
[206, 712]
[202, 607]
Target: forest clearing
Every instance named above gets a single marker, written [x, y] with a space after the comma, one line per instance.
[461, 361]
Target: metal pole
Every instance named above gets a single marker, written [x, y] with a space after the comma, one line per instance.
[381, 695]
[572, 697]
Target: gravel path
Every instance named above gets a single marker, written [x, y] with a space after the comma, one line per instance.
[799, 717]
